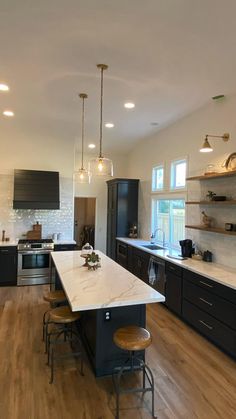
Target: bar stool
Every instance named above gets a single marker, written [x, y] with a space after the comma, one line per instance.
[53, 298]
[65, 318]
[132, 339]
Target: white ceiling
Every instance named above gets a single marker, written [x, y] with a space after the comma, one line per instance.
[168, 56]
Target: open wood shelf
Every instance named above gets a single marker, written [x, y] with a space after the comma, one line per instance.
[229, 202]
[213, 175]
[212, 230]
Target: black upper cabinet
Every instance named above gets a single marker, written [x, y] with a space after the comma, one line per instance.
[8, 265]
[122, 210]
[35, 189]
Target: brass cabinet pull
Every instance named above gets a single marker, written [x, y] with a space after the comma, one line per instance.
[205, 283]
[205, 301]
[206, 325]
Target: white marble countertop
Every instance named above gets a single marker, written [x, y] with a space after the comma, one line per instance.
[108, 286]
[219, 273]
[10, 243]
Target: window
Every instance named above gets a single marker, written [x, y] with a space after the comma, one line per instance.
[178, 174]
[169, 216]
[158, 178]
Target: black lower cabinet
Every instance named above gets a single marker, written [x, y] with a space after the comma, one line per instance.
[8, 265]
[97, 335]
[174, 288]
[210, 308]
[134, 260]
[140, 262]
[213, 329]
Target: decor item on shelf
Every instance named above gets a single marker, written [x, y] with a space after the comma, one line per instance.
[101, 166]
[3, 235]
[230, 227]
[207, 256]
[219, 198]
[82, 175]
[210, 195]
[133, 232]
[206, 220]
[230, 162]
[93, 261]
[206, 147]
[210, 170]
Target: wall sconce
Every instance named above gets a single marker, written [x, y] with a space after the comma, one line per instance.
[206, 147]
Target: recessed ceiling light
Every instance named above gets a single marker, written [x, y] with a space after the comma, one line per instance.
[91, 146]
[8, 113]
[154, 124]
[4, 87]
[109, 125]
[129, 105]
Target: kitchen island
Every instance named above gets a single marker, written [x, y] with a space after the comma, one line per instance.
[108, 298]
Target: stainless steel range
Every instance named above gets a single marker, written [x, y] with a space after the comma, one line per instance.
[34, 261]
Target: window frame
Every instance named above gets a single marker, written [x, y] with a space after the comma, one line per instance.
[173, 165]
[166, 197]
[154, 168]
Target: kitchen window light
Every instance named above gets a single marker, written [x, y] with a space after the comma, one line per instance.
[169, 216]
[158, 178]
[178, 174]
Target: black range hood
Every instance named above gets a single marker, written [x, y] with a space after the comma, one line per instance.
[36, 189]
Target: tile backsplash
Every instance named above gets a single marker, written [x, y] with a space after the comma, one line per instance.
[16, 223]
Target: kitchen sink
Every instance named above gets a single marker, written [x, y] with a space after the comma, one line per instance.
[152, 246]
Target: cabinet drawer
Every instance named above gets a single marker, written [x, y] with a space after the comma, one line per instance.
[212, 286]
[174, 269]
[64, 247]
[216, 331]
[6, 250]
[221, 309]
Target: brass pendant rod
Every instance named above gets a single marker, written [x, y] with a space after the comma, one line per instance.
[82, 96]
[102, 68]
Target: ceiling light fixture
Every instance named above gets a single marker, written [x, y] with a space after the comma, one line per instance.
[101, 166]
[4, 87]
[8, 113]
[82, 175]
[91, 146]
[129, 105]
[206, 147]
[109, 125]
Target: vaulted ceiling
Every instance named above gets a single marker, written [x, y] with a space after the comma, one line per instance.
[167, 56]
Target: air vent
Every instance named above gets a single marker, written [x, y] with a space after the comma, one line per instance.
[34, 189]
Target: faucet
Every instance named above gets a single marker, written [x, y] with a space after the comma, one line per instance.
[153, 236]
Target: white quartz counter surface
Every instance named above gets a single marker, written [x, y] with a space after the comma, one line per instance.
[108, 286]
[216, 272]
[10, 243]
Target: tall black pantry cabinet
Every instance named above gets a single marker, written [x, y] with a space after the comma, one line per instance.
[122, 210]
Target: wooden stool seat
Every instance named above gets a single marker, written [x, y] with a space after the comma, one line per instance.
[132, 338]
[55, 297]
[63, 315]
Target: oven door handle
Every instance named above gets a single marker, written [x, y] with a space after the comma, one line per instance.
[33, 252]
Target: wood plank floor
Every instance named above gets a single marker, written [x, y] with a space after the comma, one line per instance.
[193, 378]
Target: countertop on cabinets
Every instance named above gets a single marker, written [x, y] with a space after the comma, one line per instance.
[219, 273]
[108, 286]
[10, 243]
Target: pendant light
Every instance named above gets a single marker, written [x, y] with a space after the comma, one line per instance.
[82, 175]
[101, 166]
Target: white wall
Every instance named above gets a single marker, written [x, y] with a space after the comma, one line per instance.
[184, 138]
[18, 151]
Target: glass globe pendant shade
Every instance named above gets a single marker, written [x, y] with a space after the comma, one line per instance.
[101, 166]
[82, 176]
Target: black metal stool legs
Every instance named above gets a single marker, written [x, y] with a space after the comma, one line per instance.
[133, 364]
